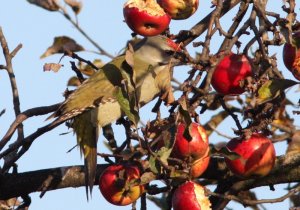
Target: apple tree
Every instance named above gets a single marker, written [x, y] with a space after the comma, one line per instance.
[206, 89]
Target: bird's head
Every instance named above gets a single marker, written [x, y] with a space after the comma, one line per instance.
[157, 49]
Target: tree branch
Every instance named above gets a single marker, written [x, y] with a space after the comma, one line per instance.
[15, 185]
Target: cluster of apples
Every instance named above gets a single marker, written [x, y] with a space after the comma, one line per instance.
[191, 195]
[257, 153]
[120, 183]
[151, 17]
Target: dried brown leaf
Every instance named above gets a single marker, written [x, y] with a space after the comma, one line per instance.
[62, 44]
[9, 204]
[75, 5]
[74, 81]
[50, 5]
[52, 67]
[89, 70]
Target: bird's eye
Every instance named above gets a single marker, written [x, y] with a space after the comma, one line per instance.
[169, 52]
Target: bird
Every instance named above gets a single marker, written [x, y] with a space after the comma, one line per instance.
[98, 101]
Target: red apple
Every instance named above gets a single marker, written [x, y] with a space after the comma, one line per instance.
[196, 148]
[291, 55]
[190, 196]
[145, 17]
[117, 185]
[199, 166]
[257, 156]
[229, 74]
[179, 9]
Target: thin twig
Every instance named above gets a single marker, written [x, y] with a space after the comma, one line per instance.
[75, 24]
[22, 117]
[235, 118]
[249, 202]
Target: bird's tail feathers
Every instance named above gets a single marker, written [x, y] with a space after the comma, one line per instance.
[87, 136]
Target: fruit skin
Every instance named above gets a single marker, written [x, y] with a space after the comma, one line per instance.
[190, 196]
[228, 74]
[196, 148]
[257, 156]
[199, 166]
[179, 9]
[113, 187]
[146, 18]
[291, 55]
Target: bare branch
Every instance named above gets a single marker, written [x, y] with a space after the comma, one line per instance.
[22, 117]
[76, 25]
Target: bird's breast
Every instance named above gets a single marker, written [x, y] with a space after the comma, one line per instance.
[107, 113]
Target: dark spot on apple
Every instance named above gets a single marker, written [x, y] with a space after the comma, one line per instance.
[150, 25]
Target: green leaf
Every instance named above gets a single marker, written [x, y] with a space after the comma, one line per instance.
[154, 165]
[272, 89]
[163, 154]
[127, 105]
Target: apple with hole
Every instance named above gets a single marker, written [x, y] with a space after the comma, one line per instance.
[190, 196]
[145, 17]
[196, 148]
[119, 184]
[179, 9]
[257, 156]
[230, 73]
[291, 55]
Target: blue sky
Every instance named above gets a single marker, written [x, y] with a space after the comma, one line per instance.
[35, 28]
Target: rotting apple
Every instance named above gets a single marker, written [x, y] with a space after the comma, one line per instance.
[145, 17]
[230, 73]
[291, 55]
[179, 9]
[190, 196]
[195, 148]
[257, 156]
[118, 184]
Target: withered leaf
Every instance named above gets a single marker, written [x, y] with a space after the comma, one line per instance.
[286, 27]
[62, 44]
[73, 81]
[55, 67]
[50, 5]
[183, 110]
[88, 70]
[225, 152]
[147, 177]
[272, 88]
[75, 5]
